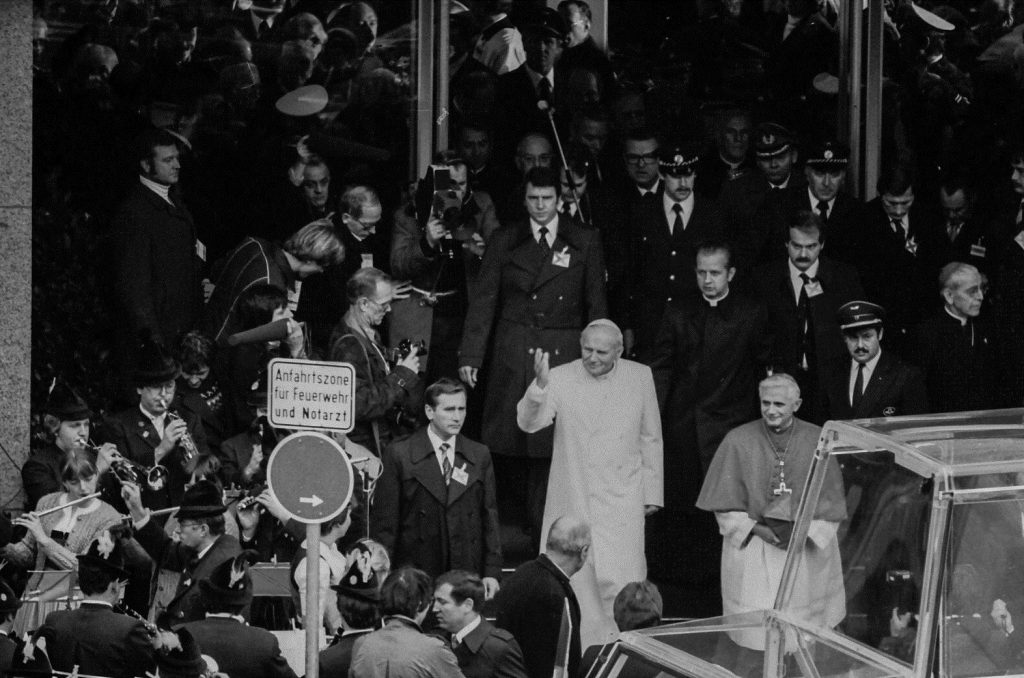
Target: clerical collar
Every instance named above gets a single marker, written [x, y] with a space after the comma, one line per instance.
[955, 316]
[160, 189]
[715, 302]
[780, 432]
[466, 630]
[730, 163]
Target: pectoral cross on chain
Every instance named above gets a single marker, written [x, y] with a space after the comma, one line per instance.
[782, 489]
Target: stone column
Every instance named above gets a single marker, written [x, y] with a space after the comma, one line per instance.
[15, 243]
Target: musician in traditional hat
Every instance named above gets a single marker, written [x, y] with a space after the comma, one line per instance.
[202, 545]
[358, 595]
[180, 657]
[97, 638]
[240, 650]
[66, 418]
[9, 645]
[151, 433]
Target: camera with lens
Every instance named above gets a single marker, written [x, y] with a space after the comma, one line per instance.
[446, 204]
[405, 348]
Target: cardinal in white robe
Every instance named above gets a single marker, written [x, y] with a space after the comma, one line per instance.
[754, 485]
[606, 465]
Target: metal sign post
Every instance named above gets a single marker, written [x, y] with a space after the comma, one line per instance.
[311, 476]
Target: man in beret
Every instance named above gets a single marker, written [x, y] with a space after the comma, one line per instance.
[95, 638]
[201, 546]
[760, 192]
[872, 382]
[666, 231]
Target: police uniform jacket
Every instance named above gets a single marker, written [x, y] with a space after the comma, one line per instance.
[187, 603]
[530, 301]
[895, 389]
[99, 641]
[663, 265]
[240, 650]
[431, 526]
[530, 606]
[488, 651]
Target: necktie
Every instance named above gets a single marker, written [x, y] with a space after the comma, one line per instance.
[1020, 213]
[677, 224]
[544, 89]
[446, 466]
[897, 228]
[823, 210]
[455, 643]
[543, 239]
[805, 318]
[952, 230]
[858, 387]
[262, 29]
[568, 210]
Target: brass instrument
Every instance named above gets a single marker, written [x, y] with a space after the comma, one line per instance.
[128, 471]
[188, 446]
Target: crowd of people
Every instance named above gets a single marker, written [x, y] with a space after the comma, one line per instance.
[565, 325]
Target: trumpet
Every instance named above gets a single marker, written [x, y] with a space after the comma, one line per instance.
[188, 445]
[128, 471]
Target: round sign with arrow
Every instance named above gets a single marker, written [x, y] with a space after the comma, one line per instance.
[311, 476]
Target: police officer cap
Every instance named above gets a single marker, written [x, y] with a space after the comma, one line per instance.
[855, 315]
[771, 139]
[828, 155]
[547, 22]
[308, 100]
[930, 20]
[677, 161]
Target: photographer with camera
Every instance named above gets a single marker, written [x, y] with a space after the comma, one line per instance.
[438, 243]
[388, 386]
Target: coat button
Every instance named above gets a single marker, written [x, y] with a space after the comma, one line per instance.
[672, 277]
[668, 299]
[673, 253]
[534, 297]
[559, 297]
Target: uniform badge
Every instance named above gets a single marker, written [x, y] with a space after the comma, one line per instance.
[889, 411]
[827, 154]
[678, 159]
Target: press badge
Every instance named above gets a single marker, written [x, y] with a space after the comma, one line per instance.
[367, 260]
[1019, 239]
[460, 475]
[978, 250]
[561, 258]
[813, 288]
[200, 250]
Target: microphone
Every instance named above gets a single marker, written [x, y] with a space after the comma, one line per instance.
[543, 105]
[274, 331]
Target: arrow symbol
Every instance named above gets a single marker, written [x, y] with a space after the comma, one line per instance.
[313, 501]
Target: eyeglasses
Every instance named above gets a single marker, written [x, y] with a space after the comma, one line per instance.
[636, 159]
[384, 305]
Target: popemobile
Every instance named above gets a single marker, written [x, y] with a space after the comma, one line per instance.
[931, 543]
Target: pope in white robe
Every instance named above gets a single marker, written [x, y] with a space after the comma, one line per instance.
[606, 466]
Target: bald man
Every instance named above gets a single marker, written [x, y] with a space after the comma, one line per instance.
[754, 486]
[606, 465]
